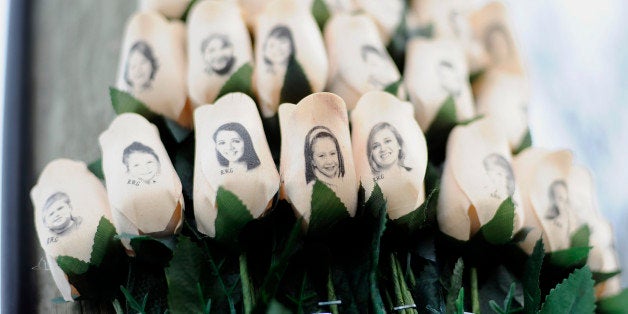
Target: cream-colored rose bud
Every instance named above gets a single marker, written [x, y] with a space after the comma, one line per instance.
[218, 45]
[436, 70]
[358, 60]
[286, 32]
[476, 179]
[232, 153]
[69, 202]
[251, 10]
[493, 33]
[320, 125]
[387, 14]
[340, 6]
[389, 150]
[504, 97]
[143, 187]
[153, 65]
[172, 9]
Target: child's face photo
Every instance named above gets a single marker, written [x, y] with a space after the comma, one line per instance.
[139, 68]
[325, 157]
[230, 145]
[58, 215]
[277, 49]
[143, 166]
[385, 148]
[219, 55]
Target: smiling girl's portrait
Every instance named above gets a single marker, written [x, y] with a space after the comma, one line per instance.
[217, 51]
[278, 49]
[57, 214]
[234, 147]
[385, 149]
[141, 67]
[142, 164]
[323, 158]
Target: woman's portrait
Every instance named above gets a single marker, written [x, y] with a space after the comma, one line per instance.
[278, 48]
[57, 214]
[217, 52]
[141, 162]
[501, 175]
[385, 149]
[497, 43]
[380, 72]
[559, 199]
[450, 79]
[141, 66]
[323, 158]
[234, 147]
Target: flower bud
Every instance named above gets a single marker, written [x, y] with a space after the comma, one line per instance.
[172, 9]
[319, 124]
[232, 153]
[493, 33]
[286, 33]
[153, 65]
[477, 178]
[389, 149]
[69, 202]
[358, 60]
[388, 15]
[436, 70]
[143, 187]
[218, 45]
[504, 98]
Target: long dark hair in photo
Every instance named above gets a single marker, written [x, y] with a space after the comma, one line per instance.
[280, 31]
[143, 48]
[312, 136]
[249, 156]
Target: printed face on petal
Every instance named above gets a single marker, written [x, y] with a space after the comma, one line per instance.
[230, 145]
[385, 148]
[58, 215]
[278, 46]
[325, 156]
[143, 166]
[139, 69]
[450, 78]
[218, 54]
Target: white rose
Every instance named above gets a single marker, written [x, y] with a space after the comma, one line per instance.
[389, 150]
[231, 152]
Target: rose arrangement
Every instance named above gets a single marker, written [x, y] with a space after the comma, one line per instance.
[236, 183]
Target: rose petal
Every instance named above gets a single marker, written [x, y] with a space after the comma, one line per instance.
[387, 14]
[172, 9]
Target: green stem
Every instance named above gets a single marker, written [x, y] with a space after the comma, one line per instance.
[331, 294]
[398, 297]
[247, 285]
[475, 295]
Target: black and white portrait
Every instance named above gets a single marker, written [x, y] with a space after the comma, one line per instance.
[234, 148]
[501, 175]
[498, 43]
[450, 78]
[323, 158]
[217, 52]
[141, 67]
[141, 163]
[559, 200]
[57, 214]
[385, 149]
[380, 74]
[278, 49]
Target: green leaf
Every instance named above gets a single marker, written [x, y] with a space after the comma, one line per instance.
[574, 295]
[240, 81]
[124, 102]
[571, 257]
[295, 85]
[104, 241]
[438, 131]
[151, 251]
[521, 235]
[476, 76]
[460, 302]
[326, 210]
[71, 265]
[421, 217]
[321, 13]
[232, 216]
[455, 291]
[117, 307]
[182, 276]
[96, 168]
[525, 143]
[614, 304]
[499, 229]
[531, 279]
[393, 88]
[601, 277]
[132, 302]
[507, 301]
[184, 17]
[580, 238]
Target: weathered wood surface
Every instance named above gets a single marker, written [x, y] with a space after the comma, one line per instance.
[75, 57]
